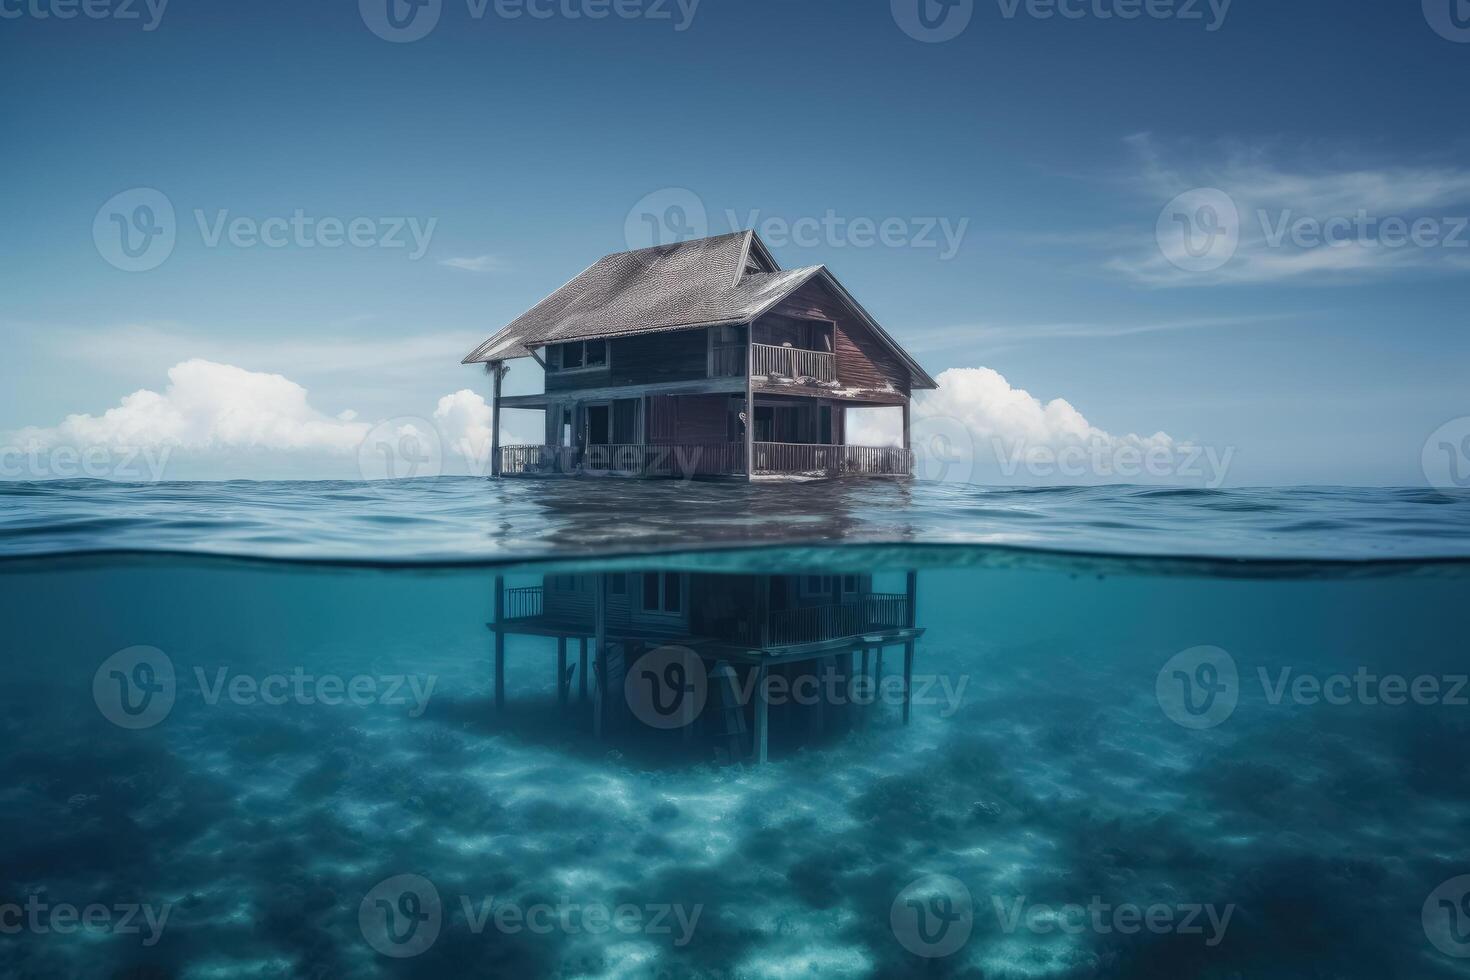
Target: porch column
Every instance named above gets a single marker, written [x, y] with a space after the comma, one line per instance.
[496, 370]
[906, 423]
[749, 402]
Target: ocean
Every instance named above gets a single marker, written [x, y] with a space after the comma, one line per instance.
[349, 730]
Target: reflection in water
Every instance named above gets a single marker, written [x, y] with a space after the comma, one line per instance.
[711, 654]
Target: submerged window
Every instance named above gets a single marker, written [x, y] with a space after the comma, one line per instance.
[663, 593]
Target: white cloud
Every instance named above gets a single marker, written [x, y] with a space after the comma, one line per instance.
[996, 432]
[1284, 209]
[208, 407]
[478, 263]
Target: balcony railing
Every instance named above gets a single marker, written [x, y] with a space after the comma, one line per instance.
[524, 603]
[793, 363]
[688, 460]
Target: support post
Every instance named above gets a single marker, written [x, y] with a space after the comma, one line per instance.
[497, 370]
[599, 641]
[761, 731]
[582, 669]
[908, 677]
[561, 670]
[911, 590]
[499, 642]
[749, 402]
[870, 691]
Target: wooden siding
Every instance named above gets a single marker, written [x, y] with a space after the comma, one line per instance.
[863, 361]
[688, 419]
[678, 355]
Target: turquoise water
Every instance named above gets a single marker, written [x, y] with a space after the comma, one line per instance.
[1152, 734]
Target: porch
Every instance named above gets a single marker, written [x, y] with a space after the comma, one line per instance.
[695, 460]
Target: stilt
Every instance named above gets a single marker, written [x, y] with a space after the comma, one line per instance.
[582, 669]
[908, 677]
[561, 670]
[599, 651]
[869, 692]
[499, 670]
[759, 750]
[817, 719]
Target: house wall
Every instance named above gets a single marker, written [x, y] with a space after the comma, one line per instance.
[685, 419]
[863, 361]
[677, 355]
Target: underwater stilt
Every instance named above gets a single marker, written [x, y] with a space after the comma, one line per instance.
[582, 669]
[908, 677]
[561, 670]
[761, 726]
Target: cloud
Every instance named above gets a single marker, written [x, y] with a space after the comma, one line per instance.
[463, 422]
[989, 334]
[479, 263]
[997, 432]
[1332, 222]
[208, 407]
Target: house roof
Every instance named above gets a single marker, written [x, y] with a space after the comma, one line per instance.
[709, 281]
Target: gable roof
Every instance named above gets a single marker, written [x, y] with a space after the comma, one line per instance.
[705, 282]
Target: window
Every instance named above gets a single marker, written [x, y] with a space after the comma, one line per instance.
[618, 584]
[663, 593]
[579, 355]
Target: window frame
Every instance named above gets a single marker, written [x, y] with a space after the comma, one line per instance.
[554, 357]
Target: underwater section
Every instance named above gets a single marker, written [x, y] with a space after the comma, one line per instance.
[693, 764]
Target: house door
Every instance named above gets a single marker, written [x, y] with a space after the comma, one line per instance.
[598, 425]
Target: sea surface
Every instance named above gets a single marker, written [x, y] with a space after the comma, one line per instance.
[253, 730]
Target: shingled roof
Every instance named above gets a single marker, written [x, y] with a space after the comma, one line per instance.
[724, 279]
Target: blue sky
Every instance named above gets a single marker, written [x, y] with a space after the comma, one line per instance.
[518, 146]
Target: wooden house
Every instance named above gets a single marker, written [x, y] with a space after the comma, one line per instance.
[736, 630]
[702, 359]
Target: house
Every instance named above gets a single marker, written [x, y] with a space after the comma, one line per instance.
[729, 640]
[702, 359]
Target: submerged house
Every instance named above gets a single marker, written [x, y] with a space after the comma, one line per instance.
[702, 358]
[706, 650]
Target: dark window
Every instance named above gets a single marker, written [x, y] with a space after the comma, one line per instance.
[596, 352]
[650, 591]
[673, 601]
[578, 354]
[618, 584]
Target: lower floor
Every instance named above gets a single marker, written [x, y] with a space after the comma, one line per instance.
[705, 435]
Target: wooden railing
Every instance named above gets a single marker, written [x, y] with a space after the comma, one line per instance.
[523, 603]
[793, 363]
[812, 624]
[727, 361]
[689, 460]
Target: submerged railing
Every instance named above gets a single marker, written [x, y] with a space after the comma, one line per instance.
[792, 362]
[523, 603]
[830, 621]
[689, 460]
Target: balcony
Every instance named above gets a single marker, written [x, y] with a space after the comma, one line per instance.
[688, 461]
[792, 363]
